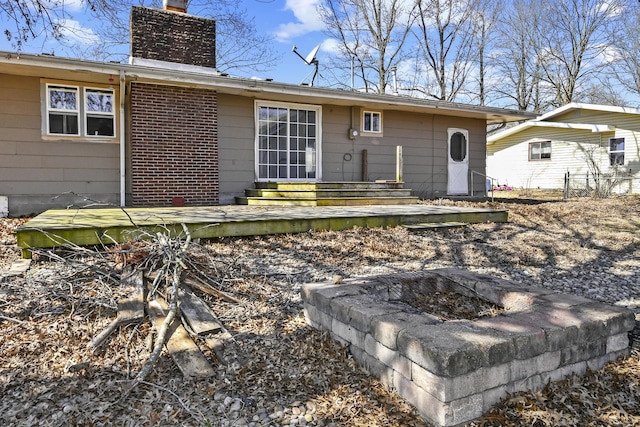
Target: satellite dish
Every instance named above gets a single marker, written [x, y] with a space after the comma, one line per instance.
[310, 59]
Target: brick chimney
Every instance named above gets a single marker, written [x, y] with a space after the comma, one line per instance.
[172, 35]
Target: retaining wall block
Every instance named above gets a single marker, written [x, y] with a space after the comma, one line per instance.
[522, 369]
[348, 333]
[583, 351]
[438, 351]
[387, 356]
[599, 362]
[386, 328]
[317, 317]
[528, 340]
[617, 342]
[614, 319]
[450, 389]
[496, 346]
[361, 315]
[373, 366]
[428, 406]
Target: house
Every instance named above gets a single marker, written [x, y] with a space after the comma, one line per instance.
[169, 129]
[576, 140]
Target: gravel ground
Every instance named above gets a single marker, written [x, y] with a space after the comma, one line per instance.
[285, 372]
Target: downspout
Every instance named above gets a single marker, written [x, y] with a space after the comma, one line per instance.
[122, 141]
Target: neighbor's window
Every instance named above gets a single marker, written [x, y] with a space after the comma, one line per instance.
[616, 151]
[540, 150]
[76, 110]
[372, 121]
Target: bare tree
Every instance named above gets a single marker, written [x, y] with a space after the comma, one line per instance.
[371, 33]
[516, 57]
[238, 43]
[28, 19]
[626, 43]
[484, 24]
[445, 39]
[573, 38]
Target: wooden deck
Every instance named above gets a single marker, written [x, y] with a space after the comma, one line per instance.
[55, 228]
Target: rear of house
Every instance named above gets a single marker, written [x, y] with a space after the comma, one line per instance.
[577, 141]
[169, 129]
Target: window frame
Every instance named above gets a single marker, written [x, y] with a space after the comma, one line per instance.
[317, 155]
[81, 111]
[49, 110]
[372, 113]
[613, 162]
[540, 144]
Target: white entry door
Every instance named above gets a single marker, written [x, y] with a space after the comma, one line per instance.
[458, 163]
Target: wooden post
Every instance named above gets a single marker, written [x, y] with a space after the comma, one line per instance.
[399, 163]
[365, 165]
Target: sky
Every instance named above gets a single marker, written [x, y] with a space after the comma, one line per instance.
[288, 22]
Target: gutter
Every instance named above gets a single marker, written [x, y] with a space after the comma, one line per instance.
[122, 141]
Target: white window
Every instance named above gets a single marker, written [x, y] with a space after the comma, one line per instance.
[288, 141]
[62, 110]
[540, 150]
[616, 151]
[76, 110]
[372, 121]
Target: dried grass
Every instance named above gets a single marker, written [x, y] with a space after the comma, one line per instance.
[48, 376]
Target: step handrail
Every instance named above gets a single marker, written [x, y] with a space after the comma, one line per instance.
[474, 172]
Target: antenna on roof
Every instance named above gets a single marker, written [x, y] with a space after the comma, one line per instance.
[309, 60]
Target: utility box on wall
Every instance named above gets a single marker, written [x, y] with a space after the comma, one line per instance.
[4, 206]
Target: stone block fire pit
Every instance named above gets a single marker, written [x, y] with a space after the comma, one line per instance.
[453, 342]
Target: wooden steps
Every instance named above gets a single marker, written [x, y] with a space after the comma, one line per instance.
[327, 194]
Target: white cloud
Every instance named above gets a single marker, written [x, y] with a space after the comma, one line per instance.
[74, 31]
[308, 20]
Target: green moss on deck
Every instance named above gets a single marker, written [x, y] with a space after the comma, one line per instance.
[107, 226]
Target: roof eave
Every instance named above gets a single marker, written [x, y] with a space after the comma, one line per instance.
[269, 90]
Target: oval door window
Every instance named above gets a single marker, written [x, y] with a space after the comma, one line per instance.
[458, 147]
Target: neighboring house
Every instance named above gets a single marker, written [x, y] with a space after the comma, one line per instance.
[577, 139]
[168, 128]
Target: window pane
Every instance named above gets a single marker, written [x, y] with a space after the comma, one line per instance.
[616, 144]
[63, 99]
[64, 124]
[376, 123]
[367, 122]
[458, 147]
[102, 126]
[616, 159]
[98, 101]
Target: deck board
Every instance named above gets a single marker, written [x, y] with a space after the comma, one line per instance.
[103, 226]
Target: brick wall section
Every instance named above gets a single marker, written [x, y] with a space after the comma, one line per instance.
[174, 145]
[172, 36]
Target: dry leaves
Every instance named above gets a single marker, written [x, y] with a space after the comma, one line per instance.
[49, 377]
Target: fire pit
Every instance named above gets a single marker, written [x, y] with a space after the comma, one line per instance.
[453, 361]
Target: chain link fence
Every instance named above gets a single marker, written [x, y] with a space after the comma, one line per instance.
[599, 185]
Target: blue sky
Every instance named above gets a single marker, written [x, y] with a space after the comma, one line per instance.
[289, 22]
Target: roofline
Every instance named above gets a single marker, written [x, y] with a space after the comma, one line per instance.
[207, 78]
[592, 107]
[559, 125]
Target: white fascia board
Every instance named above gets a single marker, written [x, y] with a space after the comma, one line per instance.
[592, 107]
[559, 125]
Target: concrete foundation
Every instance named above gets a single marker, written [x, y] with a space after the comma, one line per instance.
[454, 371]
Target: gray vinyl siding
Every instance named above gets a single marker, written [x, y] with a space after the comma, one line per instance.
[423, 138]
[424, 147]
[236, 146]
[38, 174]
